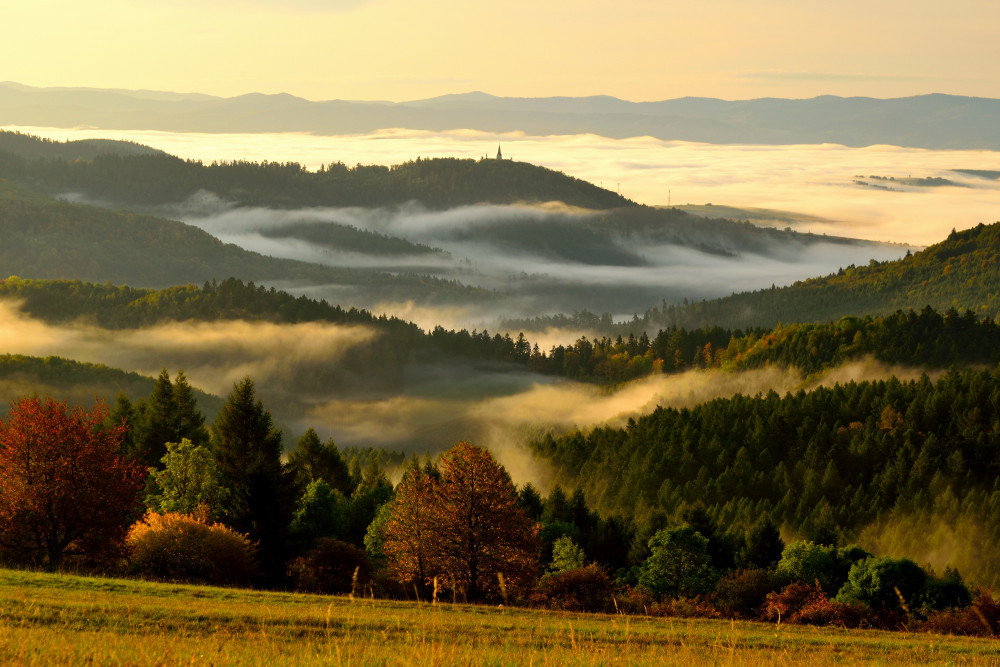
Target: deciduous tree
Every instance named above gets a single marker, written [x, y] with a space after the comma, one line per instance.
[189, 480]
[409, 533]
[65, 487]
[483, 531]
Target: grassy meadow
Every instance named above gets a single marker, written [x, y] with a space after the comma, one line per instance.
[58, 619]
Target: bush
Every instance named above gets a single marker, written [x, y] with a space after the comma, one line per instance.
[981, 618]
[742, 593]
[580, 589]
[808, 562]
[808, 605]
[180, 547]
[792, 599]
[884, 583]
[945, 593]
[635, 600]
[330, 567]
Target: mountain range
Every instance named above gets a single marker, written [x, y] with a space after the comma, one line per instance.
[933, 121]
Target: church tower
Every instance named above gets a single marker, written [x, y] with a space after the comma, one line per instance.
[499, 154]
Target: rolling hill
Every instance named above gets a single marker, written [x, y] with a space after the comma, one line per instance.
[961, 272]
[44, 238]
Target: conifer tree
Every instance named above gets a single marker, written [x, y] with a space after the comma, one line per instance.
[248, 454]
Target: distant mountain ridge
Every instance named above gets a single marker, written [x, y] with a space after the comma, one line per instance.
[935, 121]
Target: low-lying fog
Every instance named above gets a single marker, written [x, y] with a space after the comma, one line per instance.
[542, 259]
[818, 180]
[430, 409]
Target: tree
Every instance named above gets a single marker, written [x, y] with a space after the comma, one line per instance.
[248, 454]
[678, 564]
[65, 488]
[188, 420]
[763, 544]
[409, 531]
[319, 513]
[159, 415]
[313, 460]
[188, 482]
[884, 583]
[483, 531]
[566, 555]
[169, 415]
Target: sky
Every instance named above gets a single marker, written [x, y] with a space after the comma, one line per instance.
[413, 49]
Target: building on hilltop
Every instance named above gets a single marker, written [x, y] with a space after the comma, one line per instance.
[499, 154]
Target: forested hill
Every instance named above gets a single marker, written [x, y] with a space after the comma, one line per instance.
[80, 382]
[961, 272]
[900, 459]
[49, 239]
[156, 179]
[28, 146]
[381, 360]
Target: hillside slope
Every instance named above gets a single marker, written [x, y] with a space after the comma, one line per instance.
[49, 239]
[961, 272]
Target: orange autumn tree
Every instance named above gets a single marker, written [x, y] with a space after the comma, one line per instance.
[462, 526]
[65, 488]
[410, 533]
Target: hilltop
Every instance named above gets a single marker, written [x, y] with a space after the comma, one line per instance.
[153, 178]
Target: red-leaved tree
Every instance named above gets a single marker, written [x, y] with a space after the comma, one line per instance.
[65, 488]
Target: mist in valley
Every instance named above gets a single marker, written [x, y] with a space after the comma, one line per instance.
[301, 375]
[538, 260]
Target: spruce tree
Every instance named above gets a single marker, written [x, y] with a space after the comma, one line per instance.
[189, 422]
[248, 453]
[159, 420]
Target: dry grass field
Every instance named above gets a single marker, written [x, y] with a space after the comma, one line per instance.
[48, 619]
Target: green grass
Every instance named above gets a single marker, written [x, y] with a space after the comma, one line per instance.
[48, 619]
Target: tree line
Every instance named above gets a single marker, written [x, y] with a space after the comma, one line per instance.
[222, 506]
[925, 338]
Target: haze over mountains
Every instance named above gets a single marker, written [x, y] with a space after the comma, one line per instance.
[926, 121]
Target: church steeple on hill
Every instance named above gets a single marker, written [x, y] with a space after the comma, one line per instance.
[499, 154]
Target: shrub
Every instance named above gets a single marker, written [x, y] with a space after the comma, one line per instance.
[809, 605]
[180, 547]
[586, 588]
[635, 600]
[884, 583]
[330, 567]
[742, 593]
[981, 618]
[792, 599]
[808, 562]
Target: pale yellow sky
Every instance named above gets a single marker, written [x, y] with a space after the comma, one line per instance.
[411, 49]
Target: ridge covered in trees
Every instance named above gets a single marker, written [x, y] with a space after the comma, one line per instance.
[827, 464]
[158, 178]
[50, 239]
[961, 272]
